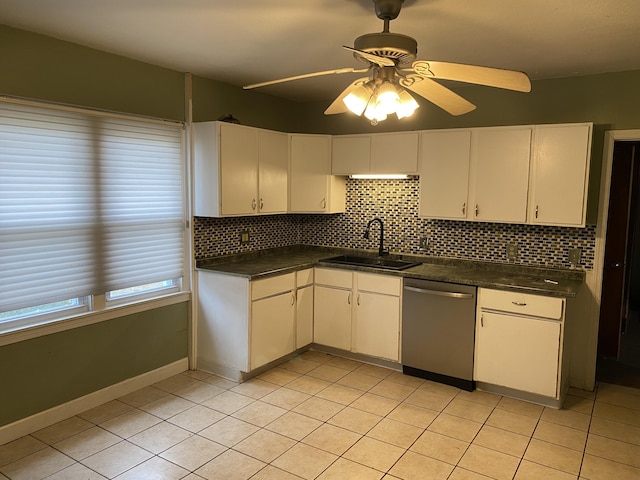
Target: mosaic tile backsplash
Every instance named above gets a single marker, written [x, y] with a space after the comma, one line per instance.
[396, 202]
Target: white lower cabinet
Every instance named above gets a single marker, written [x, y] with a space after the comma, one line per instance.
[304, 308]
[244, 324]
[377, 325]
[332, 308]
[358, 312]
[519, 342]
[272, 328]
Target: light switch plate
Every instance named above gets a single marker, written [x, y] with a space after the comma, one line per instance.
[575, 256]
[424, 243]
[245, 237]
[512, 251]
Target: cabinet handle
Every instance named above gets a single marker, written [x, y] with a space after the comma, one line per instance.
[482, 320]
[293, 299]
[261, 204]
[253, 204]
[536, 211]
[464, 208]
[349, 299]
[476, 209]
[520, 304]
[324, 203]
[358, 299]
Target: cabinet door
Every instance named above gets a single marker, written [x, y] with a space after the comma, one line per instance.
[394, 153]
[377, 325]
[517, 352]
[273, 171]
[500, 173]
[238, 169]
[444, 174]
[272, 328]
[332, 317]
[560, 173]
[304, 316]
[350, 154]
[310, 169]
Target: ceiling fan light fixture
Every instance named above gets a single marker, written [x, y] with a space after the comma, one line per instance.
[407, 105]
[374, 113]
[387, 98]
[358, 99]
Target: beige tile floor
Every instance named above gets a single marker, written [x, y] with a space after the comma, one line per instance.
[325, 417]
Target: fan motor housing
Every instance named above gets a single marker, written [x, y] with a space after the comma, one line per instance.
[401, 48]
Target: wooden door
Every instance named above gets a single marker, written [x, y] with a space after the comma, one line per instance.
[238, 170]
[500, 174]
[350, 154]
[273, 175]
[310, 168]
[394, 153]
[332, 317]
[560, 174]
[272, 328]
[518, 352]
[444, 174]
[612, 302]
[304, 316]
[377, 325]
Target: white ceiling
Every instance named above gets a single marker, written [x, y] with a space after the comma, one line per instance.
[247, 41]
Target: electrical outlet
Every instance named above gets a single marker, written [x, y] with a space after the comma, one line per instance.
[245, 237]
[424, 243]
[575, 255]
[512, 251]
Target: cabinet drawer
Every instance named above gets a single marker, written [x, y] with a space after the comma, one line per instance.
[304, 277]
[379, 284]
[333, 277]
[521, 303]
[272, 286]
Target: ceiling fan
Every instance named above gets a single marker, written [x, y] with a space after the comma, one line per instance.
[392, 69]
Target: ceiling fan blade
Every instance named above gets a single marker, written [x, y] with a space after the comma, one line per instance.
[306, 75]
[378, 60]
[338, 106]
[437, 94]
[492, 77]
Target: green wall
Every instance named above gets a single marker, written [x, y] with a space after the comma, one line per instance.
[43, 372]
[213, 100]
[40, 67]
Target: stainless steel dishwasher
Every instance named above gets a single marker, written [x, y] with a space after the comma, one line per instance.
[438, 330]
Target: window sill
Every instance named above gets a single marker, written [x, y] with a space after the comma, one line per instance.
[21, 334]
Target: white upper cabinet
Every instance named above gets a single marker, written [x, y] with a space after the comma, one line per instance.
[499, 176]
[312, 188]
[380, 153]
[273, 175]
[239, 170]
[560, 174]
[394, 153]
[350, 154]
[444, 173]
[525, 174]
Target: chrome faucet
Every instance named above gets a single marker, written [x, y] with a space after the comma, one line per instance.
[381, 250]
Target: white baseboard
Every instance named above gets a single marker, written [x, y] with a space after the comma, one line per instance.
[58, 413]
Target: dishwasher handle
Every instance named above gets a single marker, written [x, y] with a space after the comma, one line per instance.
[439, 293]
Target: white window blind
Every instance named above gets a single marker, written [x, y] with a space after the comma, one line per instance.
[88, 204]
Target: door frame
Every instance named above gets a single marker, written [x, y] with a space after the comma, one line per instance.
[594, 279]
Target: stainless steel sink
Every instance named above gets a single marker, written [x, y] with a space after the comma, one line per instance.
[374, 262]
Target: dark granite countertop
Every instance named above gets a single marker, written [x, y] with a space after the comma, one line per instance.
[277, 261]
